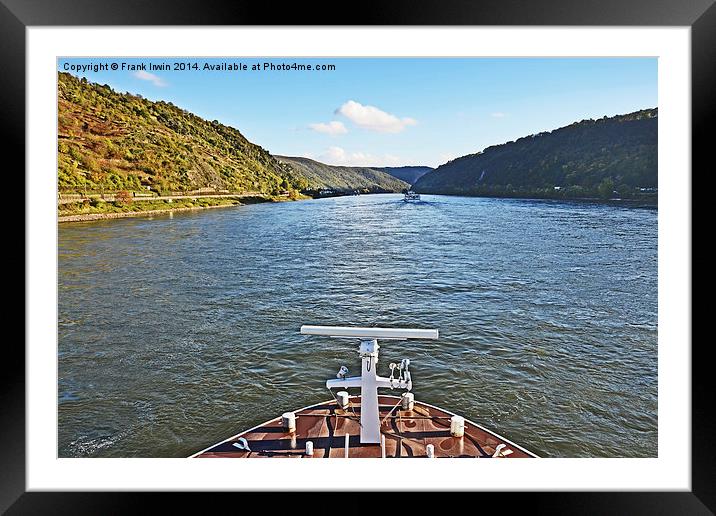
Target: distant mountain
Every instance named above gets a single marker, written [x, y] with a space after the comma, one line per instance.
[591, 158]
[319, 176]
[408, 174]
[118, 141]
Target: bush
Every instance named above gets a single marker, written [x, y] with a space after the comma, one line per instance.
[123, 197]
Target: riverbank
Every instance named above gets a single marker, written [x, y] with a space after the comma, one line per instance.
[645, 201]
[88, 211]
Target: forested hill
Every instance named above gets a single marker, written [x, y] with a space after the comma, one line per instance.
[606, 157]
[117, 141]
[409, 174]
[343, 179]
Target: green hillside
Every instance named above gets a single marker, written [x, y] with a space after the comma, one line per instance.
[320, 175]
[409, 174]
[109, 141]
[591, 158]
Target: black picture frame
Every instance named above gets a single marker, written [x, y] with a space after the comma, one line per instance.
[700, 15]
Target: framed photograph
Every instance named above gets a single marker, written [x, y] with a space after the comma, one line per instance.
[232, 213]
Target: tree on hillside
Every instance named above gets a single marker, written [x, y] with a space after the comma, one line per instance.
[98, 177]
[606, 188]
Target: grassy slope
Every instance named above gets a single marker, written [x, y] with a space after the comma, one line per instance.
[587, 158]
[320, 175]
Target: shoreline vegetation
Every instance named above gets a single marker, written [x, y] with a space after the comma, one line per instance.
[97, 209]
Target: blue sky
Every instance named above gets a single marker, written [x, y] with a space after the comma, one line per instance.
[392, 111]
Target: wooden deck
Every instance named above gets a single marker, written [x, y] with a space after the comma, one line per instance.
[407, 434]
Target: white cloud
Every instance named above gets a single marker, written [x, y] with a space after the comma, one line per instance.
[331, 128]
[146, 76]
[373, 119]
[339, 156]
[498, 114]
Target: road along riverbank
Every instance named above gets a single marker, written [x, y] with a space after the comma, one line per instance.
[81, 212]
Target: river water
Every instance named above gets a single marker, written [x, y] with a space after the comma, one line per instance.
[178, 331]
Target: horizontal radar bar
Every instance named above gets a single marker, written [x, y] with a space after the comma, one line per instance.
[370, 333]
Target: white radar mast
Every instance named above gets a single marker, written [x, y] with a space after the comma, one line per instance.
[369, 381]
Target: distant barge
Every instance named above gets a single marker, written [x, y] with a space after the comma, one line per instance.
[369, 424]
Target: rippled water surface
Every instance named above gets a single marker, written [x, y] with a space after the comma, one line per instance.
[179, 331]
